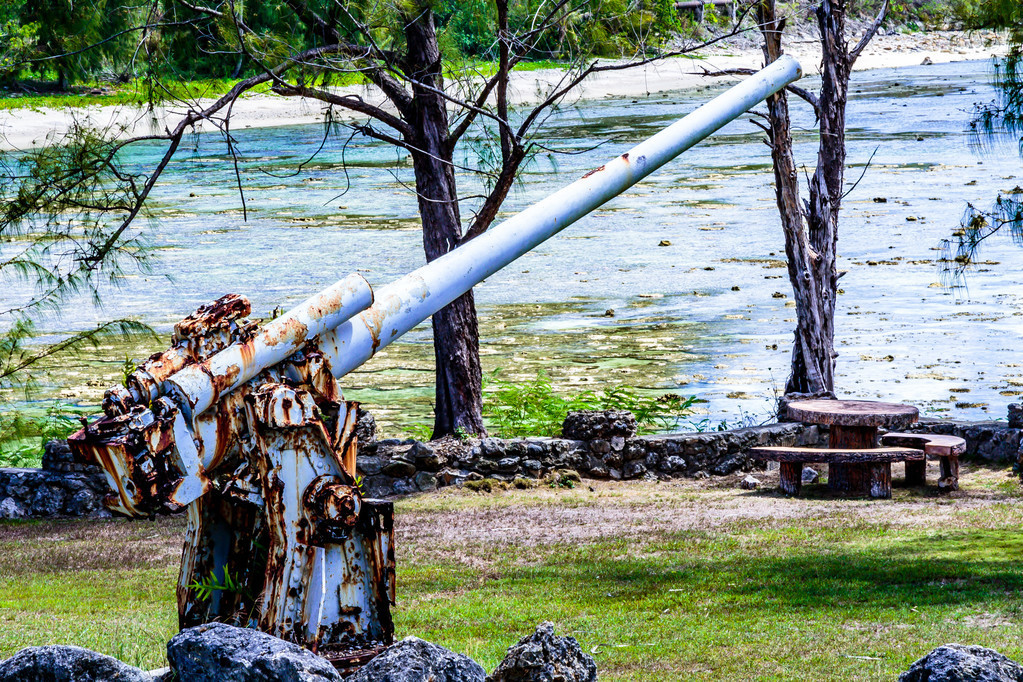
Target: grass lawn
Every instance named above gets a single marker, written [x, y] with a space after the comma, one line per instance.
[658, 581]
[42, 95]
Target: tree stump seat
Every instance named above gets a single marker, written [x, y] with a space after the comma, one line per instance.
[946, 449]
[877, 463]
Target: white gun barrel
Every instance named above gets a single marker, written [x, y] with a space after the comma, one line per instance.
[406, 302]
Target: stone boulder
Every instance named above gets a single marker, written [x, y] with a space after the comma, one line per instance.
[961, 663]
[67, 664]
[1016, 416]
[216, 651]
[545, 657]
[10, 509]
[599, 424]
[365, 427]
[57, 456]
[749, 483]
[416, 660]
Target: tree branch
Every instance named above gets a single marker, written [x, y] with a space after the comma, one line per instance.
[488, 211]
[351, 102]
[870, 33]
[189, 120]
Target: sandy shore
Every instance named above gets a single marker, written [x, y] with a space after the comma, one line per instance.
[24, 128]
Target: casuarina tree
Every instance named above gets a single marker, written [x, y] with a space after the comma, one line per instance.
[999, 119]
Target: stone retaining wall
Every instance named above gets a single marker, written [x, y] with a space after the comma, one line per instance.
[61, 489]
[398, 467]
[600, 445]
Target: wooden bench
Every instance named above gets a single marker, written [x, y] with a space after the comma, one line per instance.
[945, 448]
[879, 461]
[696, 8]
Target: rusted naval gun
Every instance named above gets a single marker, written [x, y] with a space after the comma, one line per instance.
[246, 427]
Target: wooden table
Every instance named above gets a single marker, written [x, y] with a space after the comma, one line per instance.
[853, 426]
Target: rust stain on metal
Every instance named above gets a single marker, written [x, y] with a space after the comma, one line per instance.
[376, 315]
[285, 331]
[326, 304]
[268, 472]
[595, 170]
[216, 315]
[222, 382]
[248, 353]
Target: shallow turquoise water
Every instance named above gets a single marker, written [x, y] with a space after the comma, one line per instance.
[678, 324]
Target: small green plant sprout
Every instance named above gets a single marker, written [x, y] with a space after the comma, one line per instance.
[421, 432]
[127, 369]
[563, 478]
[59, 423]
[205, 587]
[359, 480]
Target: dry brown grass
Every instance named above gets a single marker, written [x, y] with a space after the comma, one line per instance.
[470, 526]
[76, 545]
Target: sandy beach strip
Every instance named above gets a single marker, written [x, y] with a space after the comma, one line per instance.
[31, 127]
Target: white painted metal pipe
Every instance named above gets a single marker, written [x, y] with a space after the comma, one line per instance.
[199, 386]
[406, 302]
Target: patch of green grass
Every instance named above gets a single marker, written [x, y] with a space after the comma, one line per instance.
[753, 605]
[127, 614]
[107, 94]
[675, 581]
[104, 585]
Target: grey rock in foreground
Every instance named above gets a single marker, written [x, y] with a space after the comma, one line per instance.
[67, 664]
[961, 663]
[416, 660]
[545, 657]
[216, 651]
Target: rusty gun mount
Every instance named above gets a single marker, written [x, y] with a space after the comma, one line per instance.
[246, 427]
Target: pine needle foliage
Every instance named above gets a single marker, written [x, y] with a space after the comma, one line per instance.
[64, 236]
[992, 123]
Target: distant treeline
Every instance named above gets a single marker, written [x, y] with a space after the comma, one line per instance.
[71, 41]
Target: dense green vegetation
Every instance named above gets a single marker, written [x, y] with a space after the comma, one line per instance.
[657, 581]
[47, 44]
[99, 40]
[535, 409]
[22, 435]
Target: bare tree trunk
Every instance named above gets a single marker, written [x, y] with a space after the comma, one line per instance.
[459, 399]
[812, 362]
[812, 248]
[813, 358]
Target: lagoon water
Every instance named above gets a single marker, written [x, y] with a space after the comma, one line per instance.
[708, 315]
